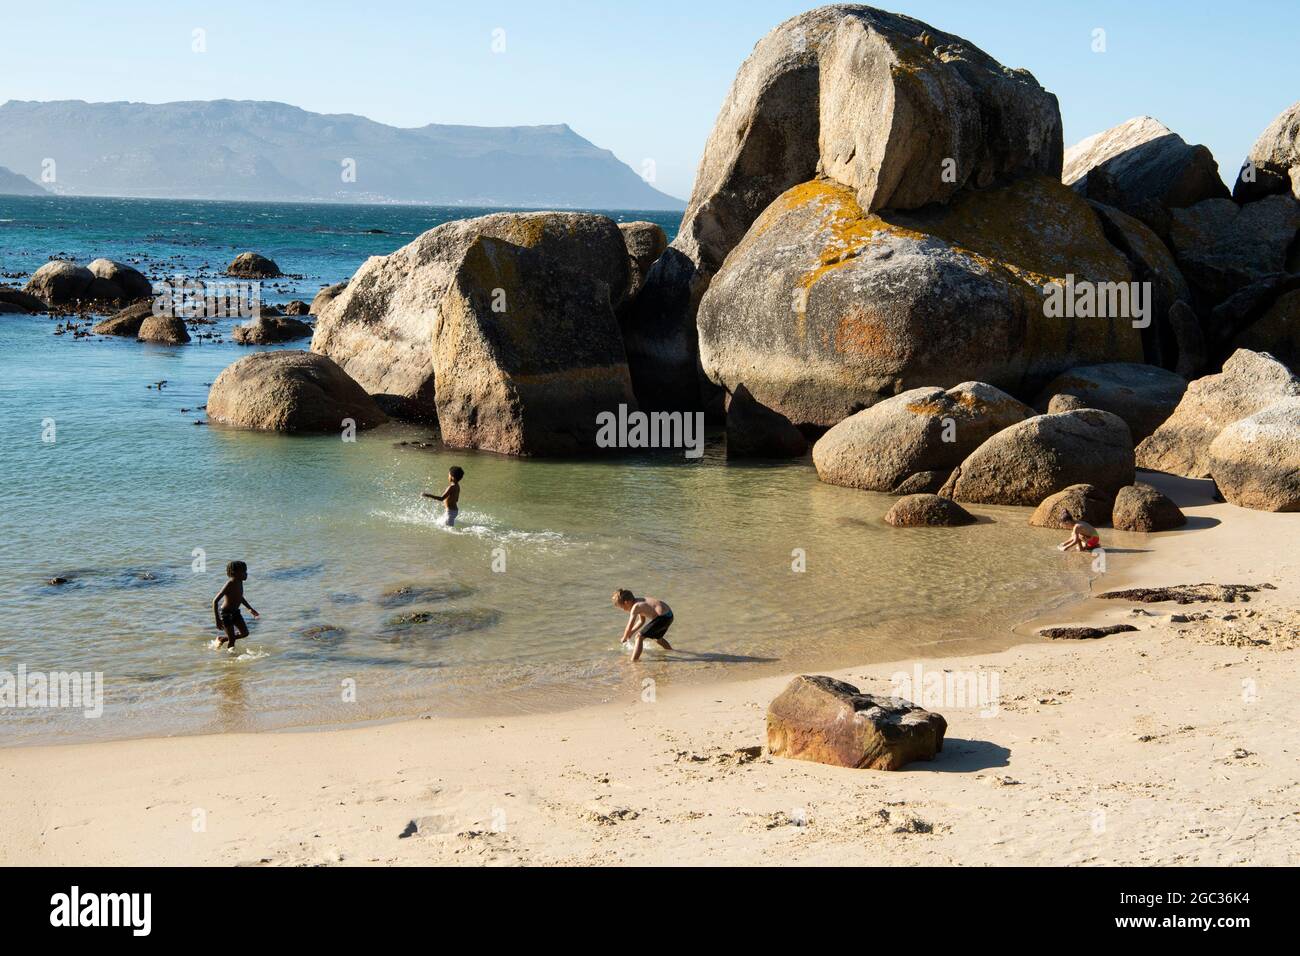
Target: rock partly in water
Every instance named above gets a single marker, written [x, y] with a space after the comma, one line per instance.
[119, 282]
[1273, 165]
[296, 307]
[386, 329]
[1143, 395]
[126, 322]
[754, 431]
[60, 283]
[1255, 461]
[15, 300]
[1249, 383]
[251, 265]
[290, 391]
[919, 511]
[1222, 247]
[829, 721]
[1143, 168]
[922, 430]
[1026, 463]
[1066, 508]
[1143, 508]
[325, 296]
[269, 329]
[163, 329]
[824, 309]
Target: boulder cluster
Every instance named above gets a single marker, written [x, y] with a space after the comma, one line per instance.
[889, 257]
[62, 286]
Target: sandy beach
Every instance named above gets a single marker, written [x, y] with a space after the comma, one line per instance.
[1173, 744]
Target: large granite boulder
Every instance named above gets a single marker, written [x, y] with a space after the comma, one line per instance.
[15, 300]
[163, 329]
[1143, 508]
[829, 721]
[60, 283]
[119, 282]
[898, 112]
[883, 447]
[1040, 456]
[1255, 461]
[646, 242]
[252, 265]
[757, 432]
[270, 329]
[1143, 168]
[1064, 509]
[1273, 165]
[534, 377]
[290, 391]
[127, 322]
[382, 328]
[1222, 247]
[824, 309]
[1143, 395]
[1277, 331]
[927, 511]
[325, 296]
[1249, 383]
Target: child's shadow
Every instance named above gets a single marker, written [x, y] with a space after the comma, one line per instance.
[713, 657]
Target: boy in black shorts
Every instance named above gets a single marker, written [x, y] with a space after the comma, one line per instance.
[226, 605]
[649, 617]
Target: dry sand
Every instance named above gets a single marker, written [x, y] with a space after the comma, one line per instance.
[1176, 744]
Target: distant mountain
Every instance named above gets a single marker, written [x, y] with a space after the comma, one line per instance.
[250, 150]
[12, 184]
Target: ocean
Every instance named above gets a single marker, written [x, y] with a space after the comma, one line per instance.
[370, 608]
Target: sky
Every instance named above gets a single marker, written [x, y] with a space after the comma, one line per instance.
[643, 79]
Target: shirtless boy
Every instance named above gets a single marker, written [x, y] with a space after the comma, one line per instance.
[649, 617]
[226, 605]
[451, 497]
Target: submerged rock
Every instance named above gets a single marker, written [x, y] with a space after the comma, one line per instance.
[290, 391]
[923, 430]
[828, 721]
[1029, 461]
[1255, 461]
[1249, 383]
[1143, 395]
[914, 511]
[403, 595]
[1143, 508]
[434, 625]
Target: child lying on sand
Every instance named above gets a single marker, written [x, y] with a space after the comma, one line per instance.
[1082, 538]
[649, 617]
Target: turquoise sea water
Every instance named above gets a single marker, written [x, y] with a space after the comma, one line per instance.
[139, 508]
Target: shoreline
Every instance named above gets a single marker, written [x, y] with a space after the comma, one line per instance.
[673, 779]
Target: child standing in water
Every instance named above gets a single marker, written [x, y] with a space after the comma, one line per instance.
[451, 497]
[649, 617]
[226, 605]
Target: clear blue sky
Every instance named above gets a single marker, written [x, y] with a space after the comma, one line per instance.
[644, 79]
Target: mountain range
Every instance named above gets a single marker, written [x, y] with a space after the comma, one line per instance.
[267, 151]
[14, 184]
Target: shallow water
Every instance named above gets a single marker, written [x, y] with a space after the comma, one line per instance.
[509, 611]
